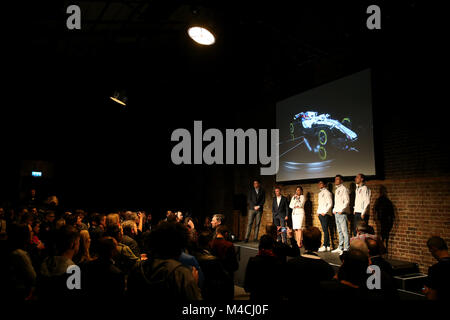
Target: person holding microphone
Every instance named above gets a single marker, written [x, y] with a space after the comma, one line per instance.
[298, 214]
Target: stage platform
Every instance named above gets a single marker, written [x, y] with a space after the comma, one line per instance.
[407, 276]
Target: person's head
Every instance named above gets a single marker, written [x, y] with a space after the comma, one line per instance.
[85, 243]
[222, 231]
[67, 240]
[321, 184]
[312, 238]
[277, 191]
[354, 267]
[114, 231]
[204, 239]
[106, 248]
[60, 223]
[360, 179]
[362, 227]
[171, 216]
[112, 219]
[36, 226]
[360, 245]
[52, 201]
[437, 246]
[95, 219]
[73, 219]
[375, 247]
[130, 215]
[33, 193]
[34, 211]
[266, 242]
[19, 235]
[167, 240]
[217, 220]
[129, 228]
[271, 230]
[179, 215]
[338, 180]
[299, 190]
[256, 184]
[50, 216]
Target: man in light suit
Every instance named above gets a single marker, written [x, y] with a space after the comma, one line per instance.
[256, 200]
[280, 212]
[340, 211]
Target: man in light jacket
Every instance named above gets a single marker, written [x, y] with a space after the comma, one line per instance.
[325, 201]
[340, 210]
[362, 201]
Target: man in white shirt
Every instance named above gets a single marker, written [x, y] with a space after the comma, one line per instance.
[325, 201]
[362, 201]
[340, 210]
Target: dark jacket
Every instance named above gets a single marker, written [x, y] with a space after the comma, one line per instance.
[224, 250]
[256, 199]
[281, 210]
[262, 278]
[132, 244]
[162, 280]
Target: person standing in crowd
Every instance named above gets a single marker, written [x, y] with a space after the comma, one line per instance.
[21, 277]
[216, 221]
[280, 213]
[340, 210]
[280, 249]
[362, 201]
[437, 286]
[256, 200]
[260, 286]
[325, 201]
[162, 277]
[224, 250]
[308, 270]
[298, 214]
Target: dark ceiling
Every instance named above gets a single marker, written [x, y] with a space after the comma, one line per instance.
[58, 81]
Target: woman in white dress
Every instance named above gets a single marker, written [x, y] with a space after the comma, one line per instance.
[298, 214]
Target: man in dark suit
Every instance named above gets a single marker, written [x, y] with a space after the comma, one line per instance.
[280, 212]
[256, 199]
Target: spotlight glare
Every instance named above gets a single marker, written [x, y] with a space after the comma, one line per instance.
[201, 35]
[118, 101]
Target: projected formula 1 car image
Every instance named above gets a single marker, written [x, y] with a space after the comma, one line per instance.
[321, 134]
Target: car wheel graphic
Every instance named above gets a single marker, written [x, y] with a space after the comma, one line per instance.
[323, 138]
[322, 153]
[347, 122]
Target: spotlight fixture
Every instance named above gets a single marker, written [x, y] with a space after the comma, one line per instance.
[119, 97]
[201, 35]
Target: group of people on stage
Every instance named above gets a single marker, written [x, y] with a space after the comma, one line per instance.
[339, 207]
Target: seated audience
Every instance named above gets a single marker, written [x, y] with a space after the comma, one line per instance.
[437, 286]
